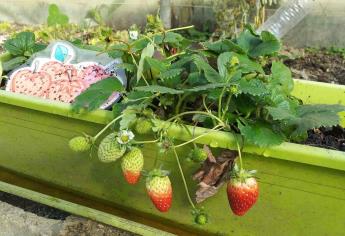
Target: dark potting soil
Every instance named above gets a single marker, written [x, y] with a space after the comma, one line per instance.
[330, 138]
[325, 65]
[33, 207]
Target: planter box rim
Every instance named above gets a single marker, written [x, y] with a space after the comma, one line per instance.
[286, 151]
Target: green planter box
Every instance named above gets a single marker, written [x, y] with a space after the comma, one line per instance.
[302, 187]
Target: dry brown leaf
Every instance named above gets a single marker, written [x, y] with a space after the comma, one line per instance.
[213, 173]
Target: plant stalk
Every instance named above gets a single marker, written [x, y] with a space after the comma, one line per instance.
[106, 127]
[183, 178]
[216, 128]
[179, 103]
[197, 112]
[146, 141]
[226, 106]
[239, 156]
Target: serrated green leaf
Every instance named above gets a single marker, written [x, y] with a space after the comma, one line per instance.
[222, 63]
[21, 45]
[247, 65]
[247, 41]
[147, 52]
[158, 89]
[181, 62]
[155, 65]
[224, 45]
[195, 78]
[260, 134]
[97, 94]
[253, 87]
[117, 50]
[170, 73]
[307, 117]
[139, 45]
[211, 74]
[269, 45]
[169, 37]
[315, 116]
[208, 87]
[280, 113]
[281, 75]
[56, 17]
[135, 95]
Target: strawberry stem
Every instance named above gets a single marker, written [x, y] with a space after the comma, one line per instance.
[198, 112]
[240, 156]
[183, 178]
[106, 127]
[216, 128]
[146, 141]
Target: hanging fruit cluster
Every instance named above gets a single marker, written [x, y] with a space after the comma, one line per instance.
[242, 190]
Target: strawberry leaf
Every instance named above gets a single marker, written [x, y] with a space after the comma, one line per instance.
[170, 73]
[97, 94]
[280, 113]
[222, 62]
[155, 65]
[315, 116]
[247, 65]
[208, 87]
[269, 45]
[253, 87]
[147, 52]
[23, 44]
[157, 89]
[260, 134]
[225, 45]
[248, 41]
[307, 117]
[56, 17]
[282, 77]
[211, 74]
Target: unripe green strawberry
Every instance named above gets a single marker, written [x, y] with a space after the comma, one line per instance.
[132, 165]
[160, 191]
[109, 149]
[201, 219]
[198, 155]
[143, 126]
[80, 143]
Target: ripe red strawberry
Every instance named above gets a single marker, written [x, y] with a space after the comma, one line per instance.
[159, 189]
[243, 192]
[132, 165]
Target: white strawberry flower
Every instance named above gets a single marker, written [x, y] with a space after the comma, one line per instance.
[124, 136]
[133, 34]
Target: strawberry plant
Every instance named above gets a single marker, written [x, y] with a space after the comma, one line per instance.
[233, 85]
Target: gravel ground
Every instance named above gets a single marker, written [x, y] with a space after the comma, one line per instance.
[22, 217]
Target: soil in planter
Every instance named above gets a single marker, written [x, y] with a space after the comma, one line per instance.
[330, 138]
[324, 65]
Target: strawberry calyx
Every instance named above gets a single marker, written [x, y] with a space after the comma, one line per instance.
[241, 175]
[157, 172]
